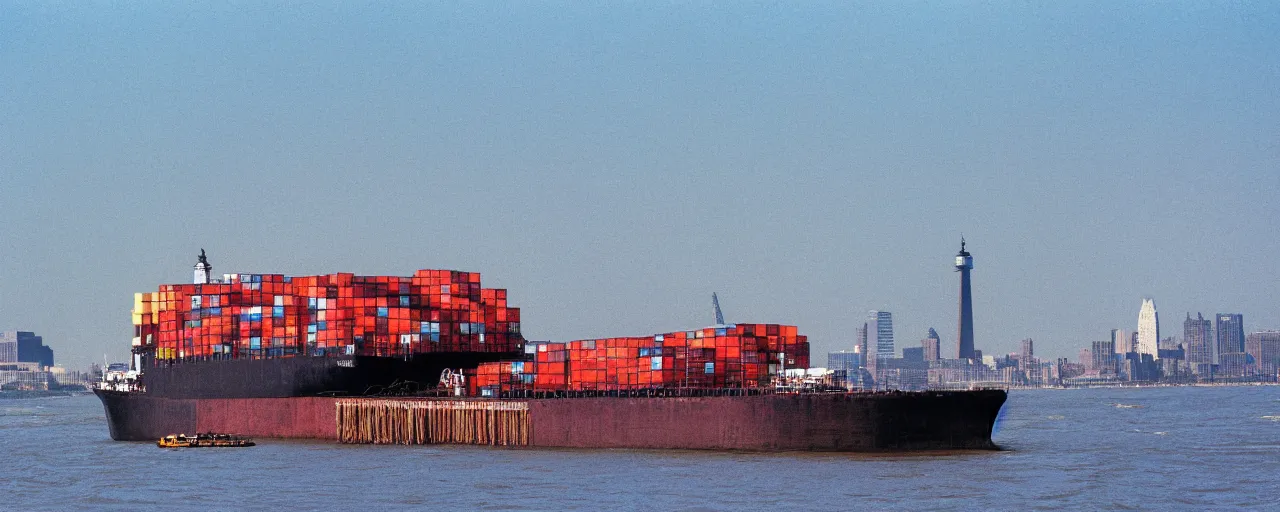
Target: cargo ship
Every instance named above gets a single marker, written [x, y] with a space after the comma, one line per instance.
[435, 358]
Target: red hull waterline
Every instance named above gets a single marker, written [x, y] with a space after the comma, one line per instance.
[895, 421]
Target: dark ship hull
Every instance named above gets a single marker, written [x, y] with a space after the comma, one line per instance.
[893, 421]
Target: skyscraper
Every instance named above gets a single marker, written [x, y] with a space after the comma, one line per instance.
[1103, 358]
[1230, 333]
[24, 347]
[1264, 346]
[932, 346]
[867, 356]
[868, 352]
[1027, 355]
[848, 367]
[964, 338]
[860, 344]
[880, 328]
[1149, 329]
[1121, 342]
[1197, 336]
[8, 351]
[848, 362]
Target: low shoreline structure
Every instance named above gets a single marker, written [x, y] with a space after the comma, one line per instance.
[28, 394]
[1144, 385]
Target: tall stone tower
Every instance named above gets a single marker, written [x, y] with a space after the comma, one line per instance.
[964, 339]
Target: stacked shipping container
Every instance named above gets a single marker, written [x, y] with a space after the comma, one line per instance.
[272, 315]
[732, 356]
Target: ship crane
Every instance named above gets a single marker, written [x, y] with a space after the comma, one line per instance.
[715, 302]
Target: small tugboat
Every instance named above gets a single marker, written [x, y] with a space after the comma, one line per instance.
[206, 440]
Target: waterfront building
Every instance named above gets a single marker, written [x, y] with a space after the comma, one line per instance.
[844, 360]
[24, 376]
[8, 351]
[1067, 369]
[913, 354]
[869, 358]
[962, 374]
[1264, 347]
[964, 338]
[932, 345]
[880, 327]
[1234, 365]
[1121, 341]
[63, 378]
[1230, 333]
[862, 345]
[1027, 356]
[1041, 374]
[1148, 329]
[1103, 356]
[1139, 367]
[1172, 361]
[846, 366]
[26, 348]
[902, 374]
[1198, 336]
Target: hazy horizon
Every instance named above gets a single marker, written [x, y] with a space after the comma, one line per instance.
[613, 165]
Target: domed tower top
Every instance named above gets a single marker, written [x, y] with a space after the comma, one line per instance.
[963, 259]
[202, 269]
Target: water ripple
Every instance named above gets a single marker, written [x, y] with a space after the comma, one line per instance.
[1186, 448]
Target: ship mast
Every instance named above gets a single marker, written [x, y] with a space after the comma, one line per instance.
[202, 269]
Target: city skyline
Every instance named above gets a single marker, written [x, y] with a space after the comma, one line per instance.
[884, 345]
[1218, 353]
[1206, 339]
[1227, 335]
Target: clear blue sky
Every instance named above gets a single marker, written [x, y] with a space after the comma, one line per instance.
[613, 164]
